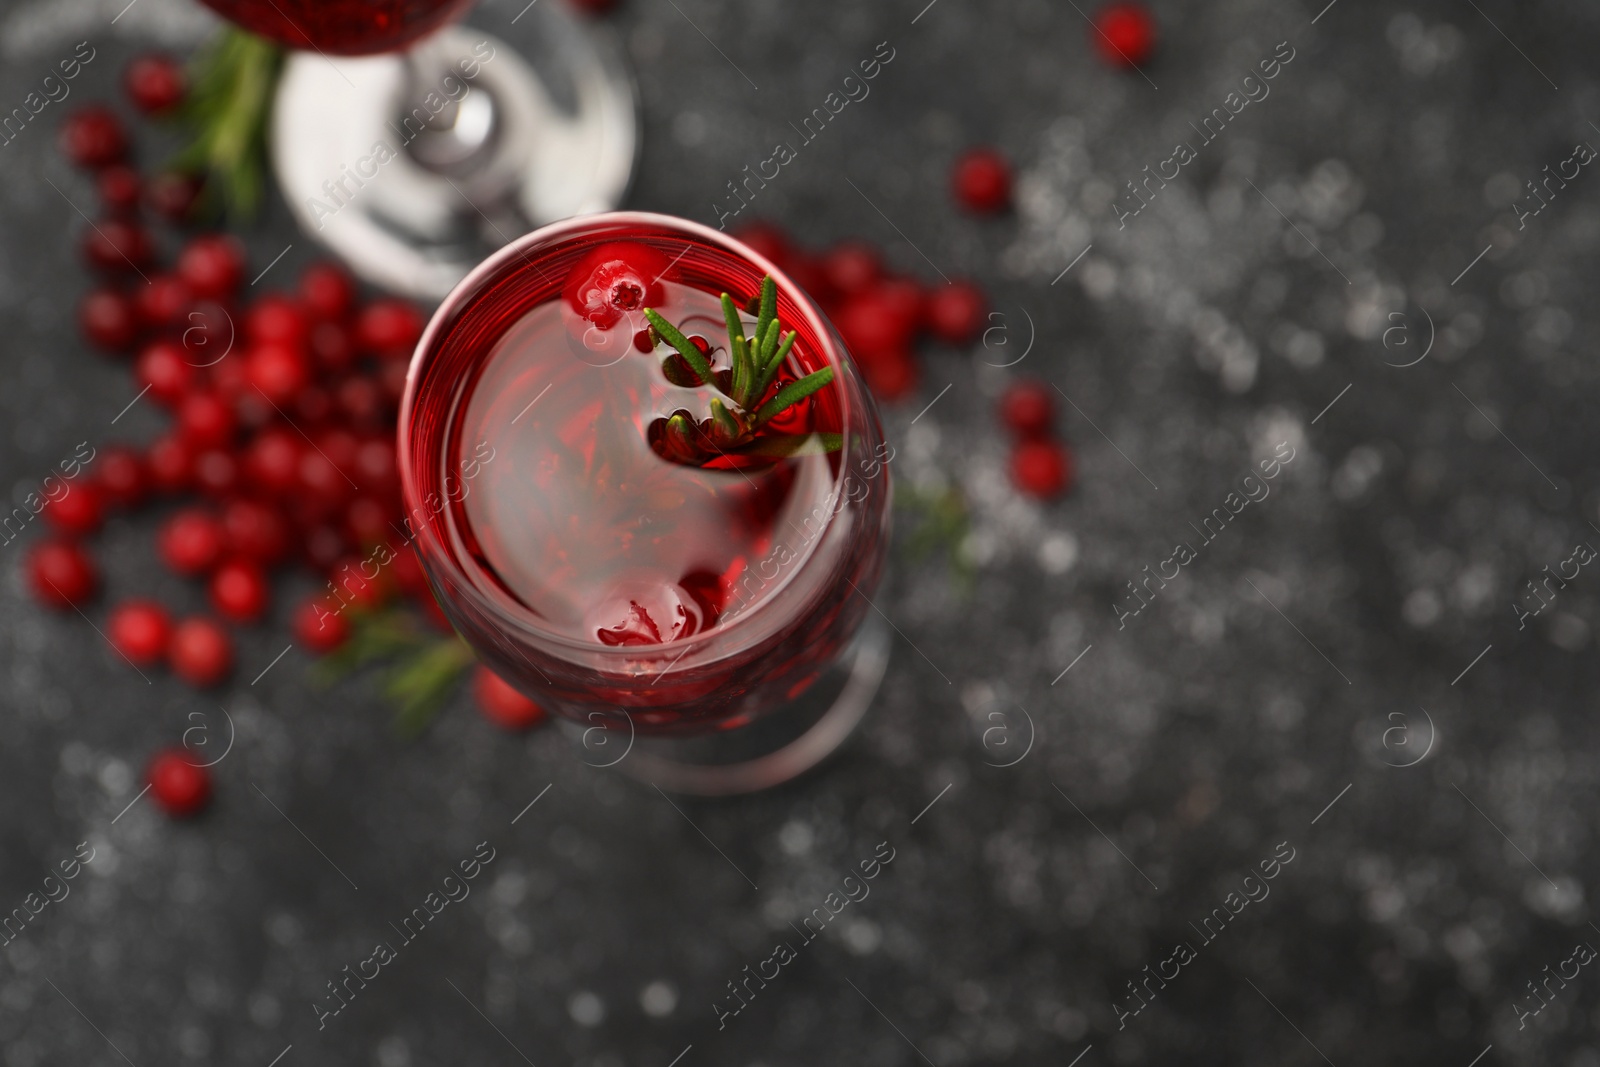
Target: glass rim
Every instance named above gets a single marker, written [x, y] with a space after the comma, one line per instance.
[527, 624]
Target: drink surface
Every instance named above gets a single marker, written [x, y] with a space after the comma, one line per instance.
[580, 519]
[341, 27]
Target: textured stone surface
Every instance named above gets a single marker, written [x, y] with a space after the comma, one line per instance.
[1297, 662]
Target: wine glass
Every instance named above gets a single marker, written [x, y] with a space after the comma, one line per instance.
[412, 146]
[698, 622]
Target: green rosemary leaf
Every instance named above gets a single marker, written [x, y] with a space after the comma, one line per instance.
[774, 364]
[793, 393]
[769, 344]
[738, 351]
[730, 314]
[421, 686]
[691, 355]
[769, 307]
[226, 113]
[724, 421]
[784, 445]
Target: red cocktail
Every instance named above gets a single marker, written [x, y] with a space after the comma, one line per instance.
[594, 515]
[342, 27]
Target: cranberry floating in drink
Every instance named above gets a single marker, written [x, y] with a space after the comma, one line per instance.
[650, 489]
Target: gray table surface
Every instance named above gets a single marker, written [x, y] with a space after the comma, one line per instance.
[1277, 697]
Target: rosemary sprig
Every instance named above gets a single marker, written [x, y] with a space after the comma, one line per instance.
[226, 114]
[743, 410]
[419, 668]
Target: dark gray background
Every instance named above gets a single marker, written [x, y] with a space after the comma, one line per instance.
[1176, 753]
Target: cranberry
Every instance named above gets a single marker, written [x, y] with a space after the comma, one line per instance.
[1124, 34]
[1028, 409]
[140, 630]
[808, 274]
[121, 476]
[594, 7]
[982, 181]
[216, 473]
[406, 568]
[324, 545]
[766, 239]
[164, 302]
[331, 346]
[360, 401]
[272, 461]
[313, 405]
[275, 319]
[392, 378]
[322, 478]
[366, 520]
[876, 325]
[155, 83]
[852, 266]
[239, 590]
[1041, 469]
[180, 787]
[278, 370]
[200, 652]
[501, 704]
[92, 137]
[108, 320]
[163, 368]
[61, 574]
[614, 280]
[389, 328]
[171, 464]
[256, 531]
[956, 312]
[119, 190]
[208, 334]
[375, 467]
[78, 511]
[205, 420]
[117, 246]
[319, 624]
[892, 377]
[327, 291]
[351, 582]
[190, 541]
[213, 265]
[172, 194]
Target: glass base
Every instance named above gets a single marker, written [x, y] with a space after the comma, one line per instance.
[781, 745]
[412, 167]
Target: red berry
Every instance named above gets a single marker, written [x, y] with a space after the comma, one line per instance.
[205, 420]
[331, 346]
[982, 181]
[190, 541]
[213, 265]
[172, 193]
[164, 301]
[61, 574]
[852, 266]
[119, 190]
[121, 476]
[208, 333]
[275, 319]
[163, 367]
[239, 590]
[376, 469]
[327, 291]
[501, 704]
[406, 568]
[877, 324]
[956, 312]
[392, 379]
[272, 462]
[170, 464]
[278, 370]
[155, 83]
[324, 544]
[140, 630]
[359, 581]
[808, 274]
[359, 401]
[79, 511]
[766, 239]
[92, 137]
[322, 478]
[117, 246]
[216, 473]
[1028, 409]
[616, 279]
[594, 7]
[256, 531]
[366, 520]
[1041, 469]
[320, 625]
[1124, 34]
[108, 320]
[200, 652]
[312, 406]
[389, 328]
[181, 788]
[891, 377]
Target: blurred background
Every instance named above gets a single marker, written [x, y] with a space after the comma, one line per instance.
[1319, 789]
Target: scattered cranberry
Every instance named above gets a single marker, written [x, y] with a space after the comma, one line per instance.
[767, 240]
[275, 320]
[117, 246]
[1124, 34]
[594, 7]
[406, 569]
[119, 190]
[121, 476]
[200, 652]
[181, 788]
[78, 511]
[92, 137]
[108, 320]
[1028, 409]
[360, 401]
[239, 590]
[313, 405]
[164, 368]
[501, 704]
[61, 574]
[140, 630]
[254, 530]
[332, 347]
[350, 580]
[366, 520]
[327, 291]
[956, 312]
[876, 325]
[1041, 469]
[170, 464]
[205, 420]
[213, 265]
[320, 625]
[982, 181]
[164, 301]
[852, 266]
[155, 83]
[190, 541]
[216, 473]
[892, 377]
[172, 194]
[389, 328]
[278, 370]
[272, 462]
